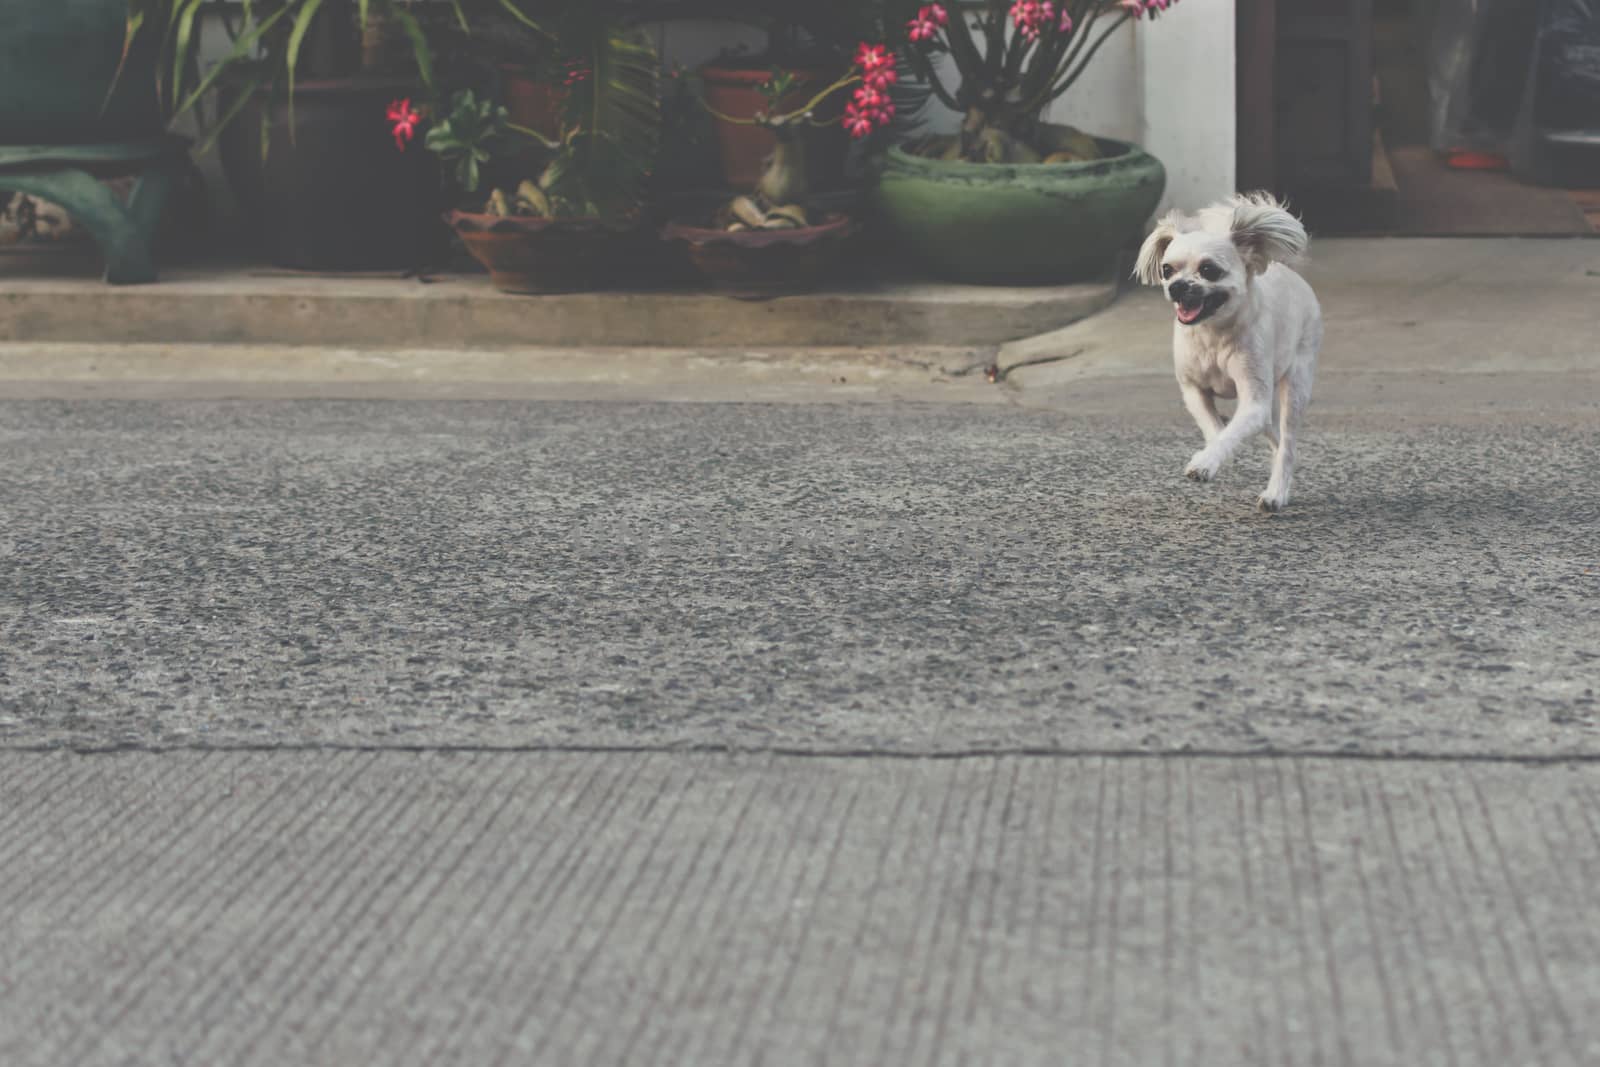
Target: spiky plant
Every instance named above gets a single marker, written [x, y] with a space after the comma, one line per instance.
[269, 39]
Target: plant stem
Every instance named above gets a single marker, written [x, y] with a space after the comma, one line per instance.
[995, 55]
[548, 142]
[963, 48]
[925, 71]
[785, 180]
[792, 117]
[1066, 83]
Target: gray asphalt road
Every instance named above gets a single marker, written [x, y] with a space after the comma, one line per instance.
[814, 578]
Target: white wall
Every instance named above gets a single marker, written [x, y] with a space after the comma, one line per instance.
[1105, 101]
[1186, 67]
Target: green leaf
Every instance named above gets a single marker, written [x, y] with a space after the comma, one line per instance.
[516, 12]
[419, 46]
[134, 24]
[614, 115]
[242, 47]
[297, 36]
[245, 93]
[183, 41]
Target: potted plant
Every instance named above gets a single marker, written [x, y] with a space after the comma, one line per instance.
[774, 237]
[1010, 197]
[575, 222]
[808, 44]
[312, 172]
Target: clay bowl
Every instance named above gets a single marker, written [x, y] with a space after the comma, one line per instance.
[535, 255]
[765, 261]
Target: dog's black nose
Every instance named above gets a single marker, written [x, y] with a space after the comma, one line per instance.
[1179, 290]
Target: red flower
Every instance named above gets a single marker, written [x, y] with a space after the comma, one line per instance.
[873, 59]
[1140, 8]
[1036, 17]
[871, 107]
[403, 122]
[927, 23]
[862, 121]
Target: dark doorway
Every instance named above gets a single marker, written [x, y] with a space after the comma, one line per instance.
[1396, 117]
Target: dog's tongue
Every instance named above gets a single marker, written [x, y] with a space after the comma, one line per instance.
[1188, 315]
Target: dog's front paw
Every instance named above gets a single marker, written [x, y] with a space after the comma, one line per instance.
[1202, 468]
[1271, 503]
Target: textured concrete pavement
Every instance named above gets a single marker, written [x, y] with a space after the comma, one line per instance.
[905, 578]
[392, 908]
[401, 700]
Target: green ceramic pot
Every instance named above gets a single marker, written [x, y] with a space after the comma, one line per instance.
[1019, 224]
[58, 65]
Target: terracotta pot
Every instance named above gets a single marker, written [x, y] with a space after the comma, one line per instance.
[744, 150]
[765, 260]
[532, 103]
[533, 255]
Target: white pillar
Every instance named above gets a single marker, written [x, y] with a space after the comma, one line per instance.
[1186, 64]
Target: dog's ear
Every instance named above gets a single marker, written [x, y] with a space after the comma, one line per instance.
[1147, 268]
[1264, 232]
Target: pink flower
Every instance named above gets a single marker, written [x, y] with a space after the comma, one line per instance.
[872, 58]
[881, 80]
[857, 122]
[1141, 8]
[871, 106]
[876, 63]
[402, 122]
[1033, 17]
[925, 27]
[864, 115]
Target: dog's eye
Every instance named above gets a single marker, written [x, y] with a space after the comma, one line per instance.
[1166, 270]
[1210, 271]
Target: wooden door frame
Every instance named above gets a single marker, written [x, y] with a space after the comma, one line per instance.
[1256, 49]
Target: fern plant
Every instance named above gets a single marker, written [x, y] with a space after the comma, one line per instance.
[610, 134]
[612, 125]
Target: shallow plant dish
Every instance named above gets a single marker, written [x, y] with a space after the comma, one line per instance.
[538, 255]
[764, 260]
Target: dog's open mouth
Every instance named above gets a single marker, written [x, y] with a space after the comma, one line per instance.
[1191, 313]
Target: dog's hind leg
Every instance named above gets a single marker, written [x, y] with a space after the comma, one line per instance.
[1294, 393]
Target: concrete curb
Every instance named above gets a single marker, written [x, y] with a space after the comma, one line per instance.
[37, 370]
[238, 307]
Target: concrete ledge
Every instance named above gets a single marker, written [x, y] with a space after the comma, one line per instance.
[751, 373]
[456, 311]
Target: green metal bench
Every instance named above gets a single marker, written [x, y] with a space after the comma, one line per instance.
[69, 176]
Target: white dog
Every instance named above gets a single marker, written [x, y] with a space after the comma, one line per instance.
[1247, 327]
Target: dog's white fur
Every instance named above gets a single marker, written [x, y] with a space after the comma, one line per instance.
[1259, 333]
